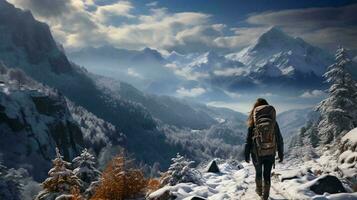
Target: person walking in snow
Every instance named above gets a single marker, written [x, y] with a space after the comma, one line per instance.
[263, 140]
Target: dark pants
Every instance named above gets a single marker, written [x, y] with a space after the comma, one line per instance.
[263, 166]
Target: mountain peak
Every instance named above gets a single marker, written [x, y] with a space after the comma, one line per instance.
[150, 53]
[274, 36]
[275, 30]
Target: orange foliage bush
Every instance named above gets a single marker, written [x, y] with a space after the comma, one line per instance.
[153, 185]
[120, 181]
[76, 194]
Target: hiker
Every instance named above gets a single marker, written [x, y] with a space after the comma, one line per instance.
[263, 140]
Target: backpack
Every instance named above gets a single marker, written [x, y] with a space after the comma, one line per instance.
[264, 130]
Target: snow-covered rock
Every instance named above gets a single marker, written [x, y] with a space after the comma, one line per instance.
[213, 167]
[326, 184]
[347, 159]
[349, 141]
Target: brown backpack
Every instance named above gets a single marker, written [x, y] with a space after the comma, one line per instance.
[264, 130]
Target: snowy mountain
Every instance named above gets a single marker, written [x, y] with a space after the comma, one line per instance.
[277, 59]
[287, 53]
[37, 119]
[142, 68]
[276, 62]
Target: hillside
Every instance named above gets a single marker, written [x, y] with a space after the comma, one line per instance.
[37, 119]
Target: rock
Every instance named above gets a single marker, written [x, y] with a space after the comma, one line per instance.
[161, 194]
[213, 167]
[235, 164]
[329, 184]
[197, 198]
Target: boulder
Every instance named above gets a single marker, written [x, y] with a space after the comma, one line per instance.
[213, 167]
[198, 198]
[329, 184]
[161, 194]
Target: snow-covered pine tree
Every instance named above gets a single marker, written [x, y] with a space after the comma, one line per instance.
[180, 171]
[9, 185]
[86, 171]
[339, 110]
[60, 182]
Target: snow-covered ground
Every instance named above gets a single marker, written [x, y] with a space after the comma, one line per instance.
[234, 183]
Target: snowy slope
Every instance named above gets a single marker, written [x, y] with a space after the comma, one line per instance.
[191, 125]
[291, 121]
[235, 183]
[348, 154]
[38, 119]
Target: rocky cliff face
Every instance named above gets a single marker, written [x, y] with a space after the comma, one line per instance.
[35, 119]
[31, 37]
[32, 125]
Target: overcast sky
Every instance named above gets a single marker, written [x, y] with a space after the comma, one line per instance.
[193, 25]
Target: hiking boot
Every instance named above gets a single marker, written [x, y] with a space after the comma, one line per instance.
[259, 188]
[266, 192]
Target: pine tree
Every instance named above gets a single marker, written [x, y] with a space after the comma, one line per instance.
[180, 171]
[86, 171]
[120, 180]
[61, 180]
[339, 110]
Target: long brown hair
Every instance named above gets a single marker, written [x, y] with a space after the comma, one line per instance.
[259, 102]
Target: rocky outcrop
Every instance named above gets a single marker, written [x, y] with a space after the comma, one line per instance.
[213, 167]
[329, 184]
[32, 125]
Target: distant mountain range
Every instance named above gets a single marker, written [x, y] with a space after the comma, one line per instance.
[276, 62]
[142, 68]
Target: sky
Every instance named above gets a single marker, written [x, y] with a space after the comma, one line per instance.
[190, 26]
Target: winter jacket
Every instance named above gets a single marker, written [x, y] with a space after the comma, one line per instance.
[249, 143]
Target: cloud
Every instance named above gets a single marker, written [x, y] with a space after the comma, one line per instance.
[232, 95]
[313, 94]
[121, 8]
[152, 4]
[326, 27]
[230, 72]
[193, 92]
[311, 18]
[158, 30]
[242, 37]
[81, 23]
[133, 73]
[47, 8]
[186, 72]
